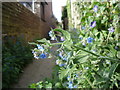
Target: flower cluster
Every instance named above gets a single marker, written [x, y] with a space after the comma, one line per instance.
[90, 40]
[95, 8]
[39, 52]
[62, 39]
[51, 34]
[60, 63]
[61, 56]
[93, 24]
[83, 28]
[70, 85]
[40, 47]
[111, 29]
[42, 55]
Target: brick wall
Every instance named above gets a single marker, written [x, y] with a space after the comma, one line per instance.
[18, 21]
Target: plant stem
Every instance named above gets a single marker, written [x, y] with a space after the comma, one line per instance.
[88, 79]
[101, 57]
[108, 37]
[88, 51]
[89, 82]
[57, 43]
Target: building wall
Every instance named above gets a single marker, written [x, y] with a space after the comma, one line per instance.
[48, 13]
[18, 21]
[73, 14]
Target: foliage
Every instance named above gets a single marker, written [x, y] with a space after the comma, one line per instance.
[64, 12]
[14, 58]
[88, 57]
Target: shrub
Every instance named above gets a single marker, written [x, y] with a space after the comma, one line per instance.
[14, 58]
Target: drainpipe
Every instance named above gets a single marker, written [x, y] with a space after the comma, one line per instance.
[33, 6]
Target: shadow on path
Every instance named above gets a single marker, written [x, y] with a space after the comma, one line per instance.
[36, 71]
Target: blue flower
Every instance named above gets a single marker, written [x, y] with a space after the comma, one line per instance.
[83, 44]
[36, 57]
[70, 84]
[82, 27]
[93, 24]
[60, 54]
[80, 38]
[95, 8]
[58, 62]
[42, 55]
[68, 78]
[86, 68]
[61, 65]
[33, 51]
[111, 29]
[89, 40]
[94, 51]
[50, 33]
[62, 39]
[75, 86]
[116, 47]
[53, 38]
[65, 58]
[76, 75]
[40, 47]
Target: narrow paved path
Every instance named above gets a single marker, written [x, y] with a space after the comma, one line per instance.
[36, 71]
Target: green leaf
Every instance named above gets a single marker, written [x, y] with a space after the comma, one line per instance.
[32, 86]
[43, 40]
[65, 33]
[68, 44]
[105, 18]
[99, 81]
[49, 85]
[47, 42]
[63, 72]
[102, 8]
[112, 69]
[32, 43]
[58, 85]
[118, 54]
[84, 58]
[39, 84]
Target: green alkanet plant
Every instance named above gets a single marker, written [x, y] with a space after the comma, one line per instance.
[88, 56]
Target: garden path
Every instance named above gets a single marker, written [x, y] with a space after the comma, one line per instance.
[36, 71]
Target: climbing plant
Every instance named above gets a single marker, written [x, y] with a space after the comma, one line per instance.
[89, 56]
